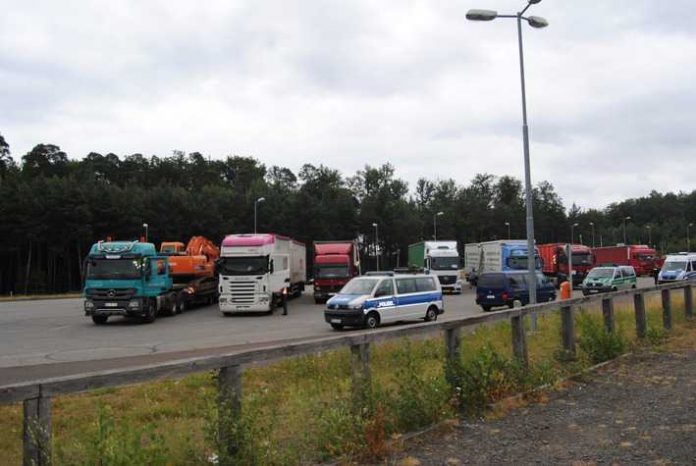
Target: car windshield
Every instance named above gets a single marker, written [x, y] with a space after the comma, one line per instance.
[331, 271]
[444, 263]
[360, 286]
[242, 265]
[112, 269]
[601, 273]
[672, 266]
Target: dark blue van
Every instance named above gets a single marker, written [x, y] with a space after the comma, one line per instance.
[504, 288]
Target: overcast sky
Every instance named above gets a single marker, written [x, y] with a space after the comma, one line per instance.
[610, 86]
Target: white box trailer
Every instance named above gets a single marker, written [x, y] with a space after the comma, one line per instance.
[255, 269]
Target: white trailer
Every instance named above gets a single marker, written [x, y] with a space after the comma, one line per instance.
[256, 269]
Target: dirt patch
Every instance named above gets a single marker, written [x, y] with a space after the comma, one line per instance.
[638, 410]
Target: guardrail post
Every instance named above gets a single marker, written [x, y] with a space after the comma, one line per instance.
[229, 409]
[37, 431]
[666, 310]
[568, 331]
[608, 314]
[641, 321]
[452, 342]
[688, 302]
[519, 342]
[360, 375]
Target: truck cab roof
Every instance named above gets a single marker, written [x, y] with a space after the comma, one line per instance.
[117, 248]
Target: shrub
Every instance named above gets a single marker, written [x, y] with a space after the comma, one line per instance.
[596, 342]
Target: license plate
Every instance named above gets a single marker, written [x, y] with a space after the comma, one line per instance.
[335, 321]
[110, 304]
[594, 291]
[490, 296]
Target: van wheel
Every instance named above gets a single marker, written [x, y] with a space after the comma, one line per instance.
[431, 314]
[372, 320]
[486, 308]
[99, 320]
[613, 288]
[337, 326]
[633, 286]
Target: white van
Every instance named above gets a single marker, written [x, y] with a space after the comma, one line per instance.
[369, 301]
[678, 267]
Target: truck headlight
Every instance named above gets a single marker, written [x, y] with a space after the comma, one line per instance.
[263, 299]
[133, 304]
[89, 305]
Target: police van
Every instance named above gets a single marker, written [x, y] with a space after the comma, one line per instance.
[369, 301]
[681, 266]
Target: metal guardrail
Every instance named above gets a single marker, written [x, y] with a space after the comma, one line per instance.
[37, 395]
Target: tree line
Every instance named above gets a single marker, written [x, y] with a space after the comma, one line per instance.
[54, 207]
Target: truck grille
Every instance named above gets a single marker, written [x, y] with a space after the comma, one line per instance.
[111, 293]
[242, 292]
[447, 279]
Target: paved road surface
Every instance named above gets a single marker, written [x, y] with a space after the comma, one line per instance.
[51, 338]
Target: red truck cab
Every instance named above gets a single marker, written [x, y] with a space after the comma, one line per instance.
[335, 263]
[641, 257]
[555, 261]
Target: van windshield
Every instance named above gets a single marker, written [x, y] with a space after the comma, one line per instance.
[601, 273]
[671, 266]
[360, 286]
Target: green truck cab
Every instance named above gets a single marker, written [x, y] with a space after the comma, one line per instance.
[128, 278]
[609, 278]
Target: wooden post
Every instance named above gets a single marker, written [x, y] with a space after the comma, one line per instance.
[688, 302]
[666, 310]
[37, 431]
[229, 409]
[360, 374]
[452, 341]
[568, 331]
[641, 321]
[519, 342]
[608, 313]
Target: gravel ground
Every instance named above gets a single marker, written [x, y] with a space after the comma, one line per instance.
[640, 409]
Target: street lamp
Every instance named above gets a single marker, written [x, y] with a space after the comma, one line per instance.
[507, 224]
[256, 203]
[572, 232]
[535, 22]
[647, 227]
[145, 227]
[435, 224]
[688, 239]
[624, 227]
[592, 225]
[376, 243]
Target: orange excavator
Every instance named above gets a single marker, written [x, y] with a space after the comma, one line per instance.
[192, 268]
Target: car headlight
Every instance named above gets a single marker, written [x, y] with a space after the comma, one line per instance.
[134, 304]
[356, 306]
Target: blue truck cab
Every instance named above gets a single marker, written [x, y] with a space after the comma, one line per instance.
[128, 278]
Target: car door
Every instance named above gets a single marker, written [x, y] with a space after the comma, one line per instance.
[385, 301]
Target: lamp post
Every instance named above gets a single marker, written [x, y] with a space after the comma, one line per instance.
[624, 227]
[145, 227]
[688, 239]
[592, 225]
[647, 227]
[507, 224]
[376, 244]
[256, 203]
[535, 22]
[572, 232]
[435, 224]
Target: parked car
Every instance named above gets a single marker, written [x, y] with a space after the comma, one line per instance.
[369, 301]
[607, 279]
[495, 289]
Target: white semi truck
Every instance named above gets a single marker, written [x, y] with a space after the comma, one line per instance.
[440, 258]
[256, 269]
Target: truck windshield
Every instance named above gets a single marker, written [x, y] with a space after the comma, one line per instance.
[671, 266]
[444, 263]
[360, 286]
[645, 257]
[242, 265]
[113, 269]
[331, 271]
[579, 258]
[520, 262]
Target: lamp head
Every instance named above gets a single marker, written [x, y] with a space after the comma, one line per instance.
[534, 2]
[481, 15]
[374, 225]
[440, 213]
[144, 225]
[537, 22]
[261, 199]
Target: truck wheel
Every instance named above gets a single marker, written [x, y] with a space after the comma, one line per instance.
[180, 305]
[372, 320]
[319, 301]
[99, 320]
[431, 314]
[151, 314]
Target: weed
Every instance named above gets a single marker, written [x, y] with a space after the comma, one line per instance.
[596, 342]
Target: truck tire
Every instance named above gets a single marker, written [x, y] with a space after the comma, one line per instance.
[151, 314]
[99, 320]
[319, 301]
